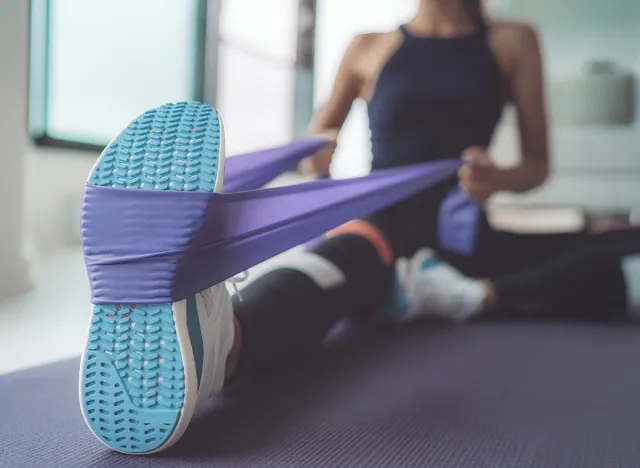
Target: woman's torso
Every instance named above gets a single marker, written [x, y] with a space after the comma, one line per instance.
[429, 98]
[433, 98]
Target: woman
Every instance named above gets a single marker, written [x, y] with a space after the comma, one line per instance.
[436, 89]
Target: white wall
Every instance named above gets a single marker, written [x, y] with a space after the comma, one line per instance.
[594, 166]
[13, 141]
[40, 189]
[53, 194]
[575, 31]
[256, 74]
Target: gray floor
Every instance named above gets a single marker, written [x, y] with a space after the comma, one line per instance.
[50, 322]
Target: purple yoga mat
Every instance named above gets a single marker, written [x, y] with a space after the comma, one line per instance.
[163, 246]
[499, 395]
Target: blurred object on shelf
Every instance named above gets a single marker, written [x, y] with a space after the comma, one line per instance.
[601, 95]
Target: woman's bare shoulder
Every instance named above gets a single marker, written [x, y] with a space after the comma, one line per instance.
[514, 34]
[366, 42]
[513, 43]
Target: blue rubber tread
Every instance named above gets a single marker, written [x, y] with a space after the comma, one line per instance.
[175, 147]
[133, 383]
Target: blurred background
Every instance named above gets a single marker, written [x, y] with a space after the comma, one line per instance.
[75, 72]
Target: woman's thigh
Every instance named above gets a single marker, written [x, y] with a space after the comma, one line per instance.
[502, 252]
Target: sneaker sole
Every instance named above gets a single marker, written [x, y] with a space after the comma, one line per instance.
[138, 379]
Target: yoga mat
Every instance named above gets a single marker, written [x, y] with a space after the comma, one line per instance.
[502, 395]
[163, 246]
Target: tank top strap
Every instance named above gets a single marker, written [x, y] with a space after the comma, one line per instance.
[481, 32]
[405, 32]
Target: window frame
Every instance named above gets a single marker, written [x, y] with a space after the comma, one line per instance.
[206, 76]
[39, 62]
[305, 66]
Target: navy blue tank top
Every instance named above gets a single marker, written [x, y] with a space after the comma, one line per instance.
[434, 98]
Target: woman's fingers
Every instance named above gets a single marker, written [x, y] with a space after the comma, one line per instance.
[477, 176]
[477, 192]
[476, 154]
[471, 173]
[320, 162]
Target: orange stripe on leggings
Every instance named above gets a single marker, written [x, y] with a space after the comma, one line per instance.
[369, 232]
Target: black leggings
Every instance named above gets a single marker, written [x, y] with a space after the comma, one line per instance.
[285, 314]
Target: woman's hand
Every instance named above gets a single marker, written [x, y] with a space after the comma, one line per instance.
[479, 177]
[320, 163]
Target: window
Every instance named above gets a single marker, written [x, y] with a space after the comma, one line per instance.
[338, 21]
[257, 72]
[97, 64]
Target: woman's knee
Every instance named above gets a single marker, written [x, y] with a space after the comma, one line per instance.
[370, 233]
[363, 256]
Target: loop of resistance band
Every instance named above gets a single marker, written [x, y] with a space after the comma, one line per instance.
[163, 246]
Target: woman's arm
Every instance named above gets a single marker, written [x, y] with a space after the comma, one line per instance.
[330, 117]
[521, 61]
[527, 85]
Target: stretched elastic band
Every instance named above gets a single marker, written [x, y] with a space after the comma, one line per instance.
[149, 247]
[253, 170]
[372, 234]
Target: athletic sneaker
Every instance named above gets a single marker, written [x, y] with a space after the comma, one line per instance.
[427, 287]
[148, 369]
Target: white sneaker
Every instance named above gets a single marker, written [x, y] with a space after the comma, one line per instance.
[148, 369]
[435, 289]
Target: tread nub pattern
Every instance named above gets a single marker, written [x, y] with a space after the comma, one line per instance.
[133, 382]
[174, 147]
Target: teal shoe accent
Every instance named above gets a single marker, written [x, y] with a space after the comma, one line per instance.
[132, 387]
[195, 335]
[396, 305]
[429, 262]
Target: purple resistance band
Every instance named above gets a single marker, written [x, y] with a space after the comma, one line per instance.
[163, 246]
[458, 223]
[253, 170]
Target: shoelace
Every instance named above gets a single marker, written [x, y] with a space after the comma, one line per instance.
[236, 280]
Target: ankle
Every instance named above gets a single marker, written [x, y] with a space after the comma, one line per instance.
[234, 355]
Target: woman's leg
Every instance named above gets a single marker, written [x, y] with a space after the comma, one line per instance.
[285, 315]
[598, 278]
